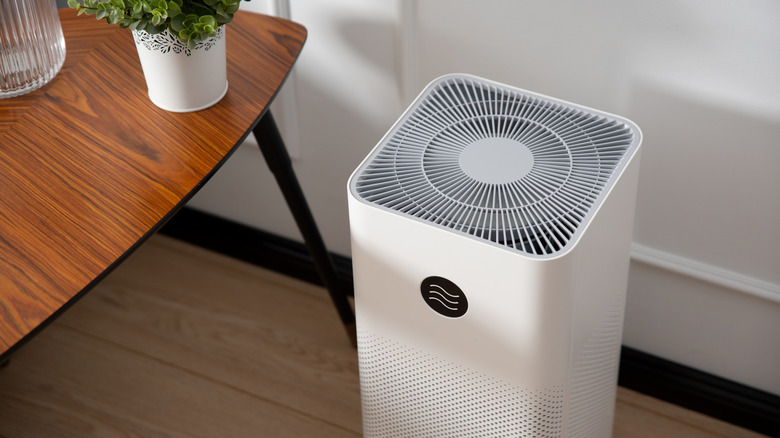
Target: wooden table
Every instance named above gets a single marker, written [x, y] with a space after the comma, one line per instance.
[90, 168]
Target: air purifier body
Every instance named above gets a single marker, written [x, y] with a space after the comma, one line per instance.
[486, 307]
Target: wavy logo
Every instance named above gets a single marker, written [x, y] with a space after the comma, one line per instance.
[444, 297]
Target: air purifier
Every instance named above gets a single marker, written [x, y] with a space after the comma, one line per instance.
[491, 229]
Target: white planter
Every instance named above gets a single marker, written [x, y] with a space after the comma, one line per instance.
[180, 79]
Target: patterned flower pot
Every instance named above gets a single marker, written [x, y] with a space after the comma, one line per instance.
[180, 79]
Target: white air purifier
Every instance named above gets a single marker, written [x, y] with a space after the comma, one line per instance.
[491, 229]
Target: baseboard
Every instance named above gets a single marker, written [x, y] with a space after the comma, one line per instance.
[666, 380]
[251, 245]
[700, 391]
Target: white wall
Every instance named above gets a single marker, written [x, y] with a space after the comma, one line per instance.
[699, 77]
[345, 95]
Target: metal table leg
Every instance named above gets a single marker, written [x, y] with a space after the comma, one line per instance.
[278, 160]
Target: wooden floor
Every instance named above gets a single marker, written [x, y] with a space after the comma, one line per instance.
[182, 342]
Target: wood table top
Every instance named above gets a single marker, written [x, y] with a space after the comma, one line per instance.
[89, 167]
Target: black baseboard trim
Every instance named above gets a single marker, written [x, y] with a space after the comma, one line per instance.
[253, 246]
[651, 375]
[699, 391]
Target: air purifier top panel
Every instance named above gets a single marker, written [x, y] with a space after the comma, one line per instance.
[499, 164]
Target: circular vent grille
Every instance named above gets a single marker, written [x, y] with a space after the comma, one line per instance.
[496, 163]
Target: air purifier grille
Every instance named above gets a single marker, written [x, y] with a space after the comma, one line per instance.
[406, 392]
[501, 164]
[593, 381]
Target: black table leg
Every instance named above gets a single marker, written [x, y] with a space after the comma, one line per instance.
[278, 160]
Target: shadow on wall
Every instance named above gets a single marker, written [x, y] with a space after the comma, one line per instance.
[364, 36]
[348, 97]
[351, 96]
[709, 171]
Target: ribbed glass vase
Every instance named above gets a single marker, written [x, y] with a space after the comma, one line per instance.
[32, 47]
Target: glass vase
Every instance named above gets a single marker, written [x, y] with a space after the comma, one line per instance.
[32, 47]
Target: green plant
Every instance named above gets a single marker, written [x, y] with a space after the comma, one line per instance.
[192, 21]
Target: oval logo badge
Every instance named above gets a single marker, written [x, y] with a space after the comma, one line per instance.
[444, 297]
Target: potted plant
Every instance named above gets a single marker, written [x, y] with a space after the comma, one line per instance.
[181, 46]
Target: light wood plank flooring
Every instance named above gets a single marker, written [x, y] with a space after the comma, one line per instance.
[182, 342]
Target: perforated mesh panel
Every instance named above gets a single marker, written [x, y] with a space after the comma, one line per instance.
[496, 163]
[593, 377]
[407, 393]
